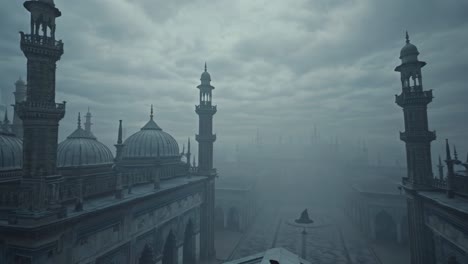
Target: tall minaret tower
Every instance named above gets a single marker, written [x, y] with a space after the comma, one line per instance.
[206, 138]
[88, 123]
[414, 100]
[20, 96]
[40, 113]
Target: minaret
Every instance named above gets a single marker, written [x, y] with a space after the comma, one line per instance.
[206, 138]
[20, 96]
[88, 123]
[414, 100]
[40, 113]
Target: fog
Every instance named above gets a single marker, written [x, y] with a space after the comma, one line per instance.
[304, 89]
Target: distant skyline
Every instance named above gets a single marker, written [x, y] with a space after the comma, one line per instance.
[278, 66]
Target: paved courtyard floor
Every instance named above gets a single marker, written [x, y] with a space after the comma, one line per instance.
[335, 241]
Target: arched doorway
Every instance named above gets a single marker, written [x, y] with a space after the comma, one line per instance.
[147, 256]
[233, 221]
[385, 228]
[189, 244]
[219, 217]
[170, 250]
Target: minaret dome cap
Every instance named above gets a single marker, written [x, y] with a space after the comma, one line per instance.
[205, 77]
[409, 52]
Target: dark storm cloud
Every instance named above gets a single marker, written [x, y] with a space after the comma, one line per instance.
[281, 66]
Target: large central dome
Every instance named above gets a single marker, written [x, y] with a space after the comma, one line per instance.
[150, 142]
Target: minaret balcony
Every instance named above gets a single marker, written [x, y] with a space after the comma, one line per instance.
[41, 45]
[426, 136]
[32, 110]
[205, 138]
[413, 97]
[206, 109]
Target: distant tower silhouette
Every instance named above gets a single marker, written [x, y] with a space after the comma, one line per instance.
[88, 123]
[414, 100]
[40, 113]
[20, 96]
[206, 138]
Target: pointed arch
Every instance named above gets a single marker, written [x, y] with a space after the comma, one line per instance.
[170, 249]
[189, 244]
[147, 255]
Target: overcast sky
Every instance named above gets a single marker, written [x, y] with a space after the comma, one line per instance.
[279, 66]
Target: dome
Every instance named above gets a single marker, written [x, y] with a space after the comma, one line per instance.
[409, 52]
[81, 148]
[205, 77]
[150, 140]
[11, 152]
[20, 82]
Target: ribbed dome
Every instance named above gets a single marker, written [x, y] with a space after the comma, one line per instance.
[145, 143]
[11, 152]
[81, 148]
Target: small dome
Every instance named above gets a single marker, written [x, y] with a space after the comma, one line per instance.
[409, 52]
[81, 148]
[150, 140]
[20, 82]
[11, 152]
[205, 76]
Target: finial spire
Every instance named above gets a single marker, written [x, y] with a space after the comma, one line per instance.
[79, 120]
[151, 115]
[407, 37]
[455, 154]
[440, 161]
[188, 145]
[447, 150]
[205, 67]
